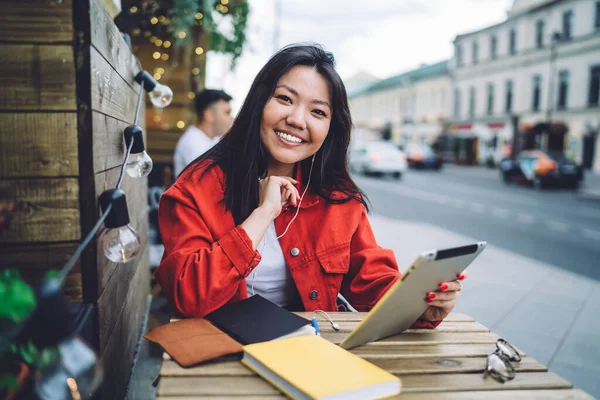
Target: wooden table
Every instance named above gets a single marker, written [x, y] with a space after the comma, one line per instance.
[444, 363]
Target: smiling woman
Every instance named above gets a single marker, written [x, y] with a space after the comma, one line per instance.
[225, 222]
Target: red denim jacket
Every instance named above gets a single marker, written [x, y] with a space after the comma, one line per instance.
[329, 249]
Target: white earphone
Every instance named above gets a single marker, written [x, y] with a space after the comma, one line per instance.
[290, 223]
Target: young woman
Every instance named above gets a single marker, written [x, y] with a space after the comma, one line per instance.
[272, 209]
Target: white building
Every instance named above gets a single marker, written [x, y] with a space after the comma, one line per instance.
[541, 64]
[413, 105]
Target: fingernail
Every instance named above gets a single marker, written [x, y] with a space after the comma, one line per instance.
[443, 286]
[431, 296]
[461, 277]
[427, 301]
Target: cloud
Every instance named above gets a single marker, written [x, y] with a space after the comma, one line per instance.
[377, 36]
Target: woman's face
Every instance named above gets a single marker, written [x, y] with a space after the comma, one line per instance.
[296, 119]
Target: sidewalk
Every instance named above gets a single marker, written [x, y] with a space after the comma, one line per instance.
[590, 187]
[548, 312]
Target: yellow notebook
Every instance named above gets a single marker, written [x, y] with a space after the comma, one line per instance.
[310, 367]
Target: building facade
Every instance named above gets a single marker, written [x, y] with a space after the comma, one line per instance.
[537, 74]
[408, 108]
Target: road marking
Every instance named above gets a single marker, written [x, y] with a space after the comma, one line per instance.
[557, 226]
[477, 207]
[491, 193]
[589, 233]
[525, 218]
[500, 212]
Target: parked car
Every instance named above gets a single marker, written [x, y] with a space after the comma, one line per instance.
[540, 169]
[381, 158]
[421, 156]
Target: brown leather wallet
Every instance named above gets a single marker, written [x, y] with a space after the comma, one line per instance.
[191, 341]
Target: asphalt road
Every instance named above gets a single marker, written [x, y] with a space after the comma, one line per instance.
[552, 226]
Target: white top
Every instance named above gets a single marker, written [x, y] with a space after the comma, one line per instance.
[192, 144]
[272, 278]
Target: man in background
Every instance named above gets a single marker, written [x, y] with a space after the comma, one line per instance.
[213, 113]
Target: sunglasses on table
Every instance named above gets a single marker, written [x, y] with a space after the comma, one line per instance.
[499, 361]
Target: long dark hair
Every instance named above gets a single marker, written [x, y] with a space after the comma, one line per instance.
[243, 157]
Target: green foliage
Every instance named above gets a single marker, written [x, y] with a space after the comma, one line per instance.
[17, 299]
[178, 20]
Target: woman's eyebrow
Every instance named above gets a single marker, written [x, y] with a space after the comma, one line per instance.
[295, 93]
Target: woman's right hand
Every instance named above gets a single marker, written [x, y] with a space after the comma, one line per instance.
[274, 190]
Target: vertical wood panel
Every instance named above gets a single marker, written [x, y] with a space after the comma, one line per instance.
[108, 42]
[111, 95]
[37, 77]
[118, 353]
[38, 145]
[108, 142]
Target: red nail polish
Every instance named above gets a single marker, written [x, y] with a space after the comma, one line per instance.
[461, 277]
[427, 301]
[443, 286]
[431, 296]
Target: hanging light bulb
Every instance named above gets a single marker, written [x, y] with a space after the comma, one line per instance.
[160, 95]
[119, 241]
[76, 375]
[140, 163]
[75, 372]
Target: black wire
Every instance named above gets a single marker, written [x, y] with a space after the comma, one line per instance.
[124, 164]
[85, 242]
[139, 103]
[69, 265]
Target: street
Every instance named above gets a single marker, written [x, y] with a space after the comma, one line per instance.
[551, 226]
[537, 284]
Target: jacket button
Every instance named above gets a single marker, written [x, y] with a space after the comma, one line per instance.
[313, 294]
[295, 251]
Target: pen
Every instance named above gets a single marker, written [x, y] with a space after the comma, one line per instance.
[316, 326]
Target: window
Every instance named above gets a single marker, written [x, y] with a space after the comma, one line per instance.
[512, 41]
[539, 33]
[471, 102]
[459, 55]
[456, 103]
[493, 46]
[537, 88]
[509, 97]
[475, 53]
[594, 95]
[597, 16]
[563, 90]
[567, 25]
[490, 98]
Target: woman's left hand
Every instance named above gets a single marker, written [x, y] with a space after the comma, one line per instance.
[442, 301]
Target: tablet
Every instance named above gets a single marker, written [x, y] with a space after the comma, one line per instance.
[404, 302]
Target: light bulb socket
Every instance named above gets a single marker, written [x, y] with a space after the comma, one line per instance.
[52, 322]
[146, 80]
[118, 215]
[135, 133]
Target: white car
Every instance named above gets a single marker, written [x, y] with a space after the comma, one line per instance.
[380, 158]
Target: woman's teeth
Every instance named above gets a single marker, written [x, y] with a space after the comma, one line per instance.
[288, 138]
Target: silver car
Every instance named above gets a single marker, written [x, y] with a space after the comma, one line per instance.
[377, 158]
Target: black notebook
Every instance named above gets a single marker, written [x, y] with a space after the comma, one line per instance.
[256, 320]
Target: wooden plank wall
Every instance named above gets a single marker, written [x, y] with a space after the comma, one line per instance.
[68, 93]
[39, 168]
[109, 100]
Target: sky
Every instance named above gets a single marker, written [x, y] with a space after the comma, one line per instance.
[380, 37]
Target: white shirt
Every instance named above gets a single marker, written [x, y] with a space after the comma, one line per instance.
[271, 277]
[192, 144]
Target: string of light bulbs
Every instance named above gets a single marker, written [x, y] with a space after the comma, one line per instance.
[76, 374]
